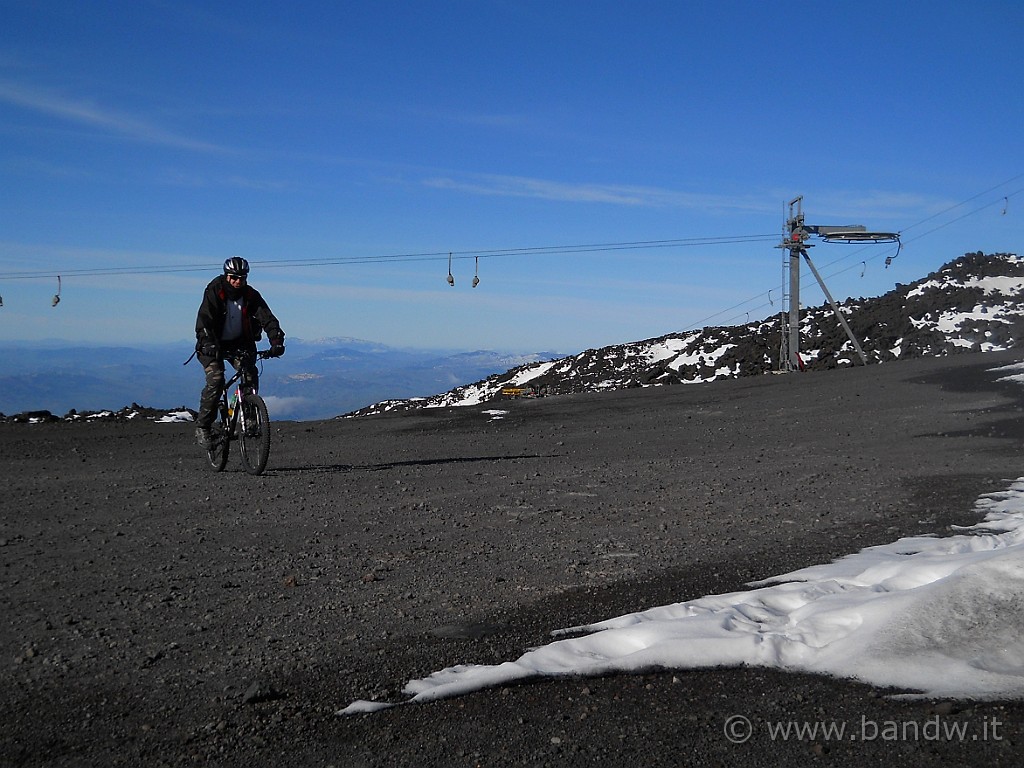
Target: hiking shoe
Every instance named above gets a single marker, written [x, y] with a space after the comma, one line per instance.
[203, 437]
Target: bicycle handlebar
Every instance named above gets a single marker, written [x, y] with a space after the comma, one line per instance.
[261, 354]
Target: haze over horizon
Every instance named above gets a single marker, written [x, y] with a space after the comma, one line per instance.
[609, 173]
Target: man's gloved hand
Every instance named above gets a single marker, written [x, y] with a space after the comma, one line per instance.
[277, 347]
[209, 349]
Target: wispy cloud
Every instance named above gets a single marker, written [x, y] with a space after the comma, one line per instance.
[84, 112]
[875, 205]
[497, 120]
[842, 205]
[197, 180]
[611, 194]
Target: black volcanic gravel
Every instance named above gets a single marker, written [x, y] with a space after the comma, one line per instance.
[156, 613]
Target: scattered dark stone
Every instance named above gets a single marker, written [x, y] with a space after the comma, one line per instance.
[261, 691]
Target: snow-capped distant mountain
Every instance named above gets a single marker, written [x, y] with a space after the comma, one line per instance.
[342, 341]
[975, 303]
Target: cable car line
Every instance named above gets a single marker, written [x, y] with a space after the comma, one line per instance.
[555, 250]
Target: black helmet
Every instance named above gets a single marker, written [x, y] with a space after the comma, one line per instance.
[236, 265]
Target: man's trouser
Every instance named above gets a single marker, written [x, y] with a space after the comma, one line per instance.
[214, 368]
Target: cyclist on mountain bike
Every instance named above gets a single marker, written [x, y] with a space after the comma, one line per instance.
[231, 319]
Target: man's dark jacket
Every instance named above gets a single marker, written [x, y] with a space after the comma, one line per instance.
[256, 316]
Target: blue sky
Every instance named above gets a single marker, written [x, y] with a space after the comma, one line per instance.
[147, 141]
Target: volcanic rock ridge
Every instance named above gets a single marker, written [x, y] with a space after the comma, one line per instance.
[972, 304]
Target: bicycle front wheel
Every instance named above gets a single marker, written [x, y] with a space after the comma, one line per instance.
[254, 434]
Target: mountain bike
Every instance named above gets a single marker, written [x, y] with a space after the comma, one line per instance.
[241, 415]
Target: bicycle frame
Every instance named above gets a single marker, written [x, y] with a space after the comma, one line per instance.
[242, 416]
[231, 414]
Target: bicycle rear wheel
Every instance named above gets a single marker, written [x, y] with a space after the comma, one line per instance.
[219, 443]
[254, 434]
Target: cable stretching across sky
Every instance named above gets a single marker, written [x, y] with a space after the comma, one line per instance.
[581, 249]
[392, 258]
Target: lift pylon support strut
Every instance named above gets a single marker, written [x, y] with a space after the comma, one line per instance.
[796, 234]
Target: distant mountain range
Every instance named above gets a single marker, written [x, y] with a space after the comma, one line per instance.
[314, 380]
[975, 303]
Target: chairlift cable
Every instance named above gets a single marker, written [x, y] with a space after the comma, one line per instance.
[964, 202]
[404, 257]
[591, 248]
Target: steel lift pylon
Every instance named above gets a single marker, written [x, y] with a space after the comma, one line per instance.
[796, 234]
